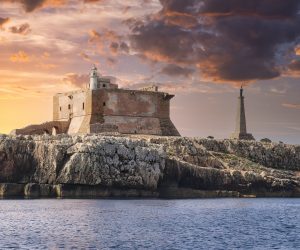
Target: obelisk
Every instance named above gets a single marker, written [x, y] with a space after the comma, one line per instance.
[241, 127]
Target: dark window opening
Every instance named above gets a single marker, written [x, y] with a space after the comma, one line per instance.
[104, 104]
[104, 85]
[82, 106]
[59, 108]
[69, 106]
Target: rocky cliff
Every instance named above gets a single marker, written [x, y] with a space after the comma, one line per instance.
[145, 166]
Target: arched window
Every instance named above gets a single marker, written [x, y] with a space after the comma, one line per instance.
[83, 106]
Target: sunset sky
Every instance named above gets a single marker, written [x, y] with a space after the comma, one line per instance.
[199, 50]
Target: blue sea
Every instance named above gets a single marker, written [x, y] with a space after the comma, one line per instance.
[150, 224]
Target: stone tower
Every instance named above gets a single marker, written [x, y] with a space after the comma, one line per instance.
[241, 128]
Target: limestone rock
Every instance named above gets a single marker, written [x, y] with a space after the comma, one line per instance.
[111, 165]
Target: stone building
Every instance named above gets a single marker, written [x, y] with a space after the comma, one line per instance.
[240, 132]
[103, 107]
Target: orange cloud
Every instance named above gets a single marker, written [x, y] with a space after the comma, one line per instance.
[78, 81]
[3, 21]
[297, 50]
[30, 6]
[291, 105]
[180, 19]
[47, 66]
[20, 57]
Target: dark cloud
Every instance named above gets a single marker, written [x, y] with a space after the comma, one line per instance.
[230, 40]
[109, 39]
[262, 8]
[32, 5]
[294, 67]
[114, 46]
[23, 29]
[175, 70]
[124, 47]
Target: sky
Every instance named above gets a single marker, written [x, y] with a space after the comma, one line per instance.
[199, 50]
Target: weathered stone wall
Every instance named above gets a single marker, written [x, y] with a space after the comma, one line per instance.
[72, 104]
[132, 111]
[134, 103]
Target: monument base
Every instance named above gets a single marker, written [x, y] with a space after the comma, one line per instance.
[240, 136]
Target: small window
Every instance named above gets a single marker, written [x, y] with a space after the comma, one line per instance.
[69, 106]
[82, 106]
[104, 104]
[104, 85]
[59, 108]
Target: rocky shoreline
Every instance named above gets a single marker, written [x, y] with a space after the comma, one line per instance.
[98, 166]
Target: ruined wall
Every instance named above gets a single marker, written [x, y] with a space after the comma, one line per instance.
[50, 128]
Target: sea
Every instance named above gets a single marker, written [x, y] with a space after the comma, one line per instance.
[150, 224]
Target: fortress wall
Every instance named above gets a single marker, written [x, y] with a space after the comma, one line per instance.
[135, 125]
[134, 103]
[79, 101]
[132, 111]
[164, 106]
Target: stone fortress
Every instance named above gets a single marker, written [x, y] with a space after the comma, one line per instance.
[104, 107]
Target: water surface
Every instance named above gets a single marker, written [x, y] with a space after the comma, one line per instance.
[150, 224]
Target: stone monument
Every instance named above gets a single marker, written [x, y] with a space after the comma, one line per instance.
[241, 128]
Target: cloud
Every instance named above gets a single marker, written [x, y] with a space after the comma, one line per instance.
[31, 5]
[108, 39]
[20, 57]
[297, 50]
[93, 1]
[3, 21]
[76, 80]
[228, 41]
[23, 29]
[175, 70]
[291, 105]
[294, 66]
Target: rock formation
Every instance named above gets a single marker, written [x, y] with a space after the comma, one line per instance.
[145, 166]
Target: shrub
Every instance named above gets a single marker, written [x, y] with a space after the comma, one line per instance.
[266, 140]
